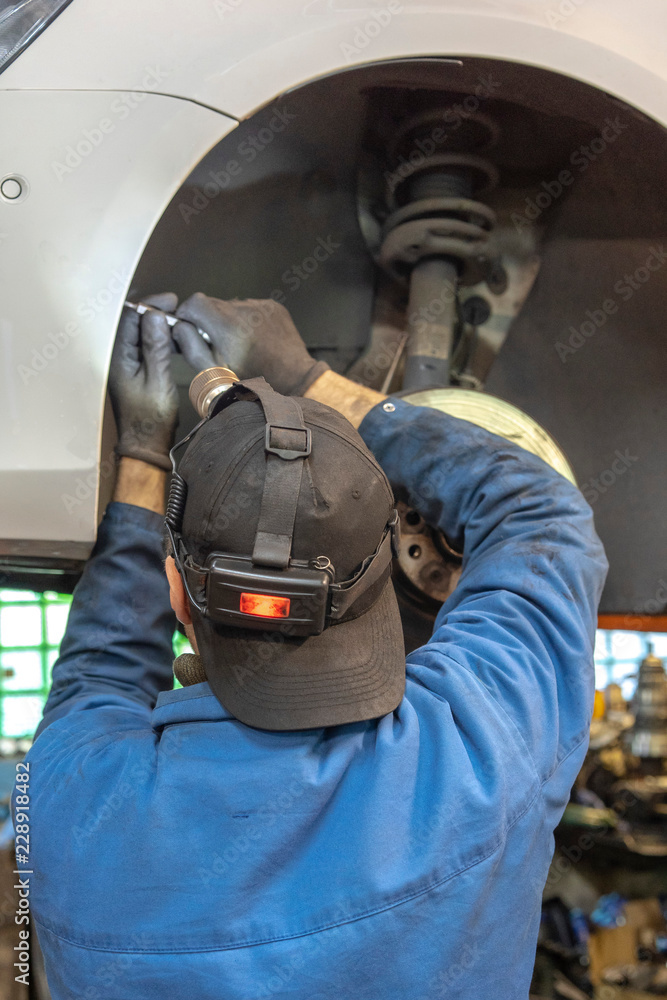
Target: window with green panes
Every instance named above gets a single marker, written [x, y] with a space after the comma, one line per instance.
[32, 626]
[31, 629]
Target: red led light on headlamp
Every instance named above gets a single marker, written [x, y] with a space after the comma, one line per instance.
[265, 605]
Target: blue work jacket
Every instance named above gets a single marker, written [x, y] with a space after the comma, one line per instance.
[177, 853]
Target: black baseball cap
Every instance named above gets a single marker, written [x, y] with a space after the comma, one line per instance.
[355, 669]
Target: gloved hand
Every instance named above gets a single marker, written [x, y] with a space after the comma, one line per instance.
[252, 337]
[143, 394]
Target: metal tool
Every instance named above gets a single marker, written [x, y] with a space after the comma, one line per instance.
[403, 339]
[141, 308]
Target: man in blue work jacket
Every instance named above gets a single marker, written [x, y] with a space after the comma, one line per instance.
[309, 816]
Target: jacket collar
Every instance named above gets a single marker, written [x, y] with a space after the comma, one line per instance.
[195, 703]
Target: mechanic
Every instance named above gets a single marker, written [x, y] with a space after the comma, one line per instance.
[311, 816]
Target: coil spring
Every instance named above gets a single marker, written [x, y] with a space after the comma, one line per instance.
[433, 195]
[441, 220]
[178, 491]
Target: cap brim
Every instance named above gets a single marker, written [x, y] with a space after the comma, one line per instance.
[351, 672]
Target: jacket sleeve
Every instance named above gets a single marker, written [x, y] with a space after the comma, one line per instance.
[523, 615]
[117, 650]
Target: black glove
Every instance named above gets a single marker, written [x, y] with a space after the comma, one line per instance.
[252, 337]
[143, 394]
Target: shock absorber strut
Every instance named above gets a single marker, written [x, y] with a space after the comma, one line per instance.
[436, 236]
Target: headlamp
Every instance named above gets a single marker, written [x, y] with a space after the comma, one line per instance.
[230, 590]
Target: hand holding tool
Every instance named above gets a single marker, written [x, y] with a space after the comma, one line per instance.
[142, 308]
[143, 394]
[252, 337]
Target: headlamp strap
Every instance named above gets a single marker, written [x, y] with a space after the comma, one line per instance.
[369, 581]
[287, 443]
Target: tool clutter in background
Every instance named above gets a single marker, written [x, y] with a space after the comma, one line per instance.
[604, 929]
